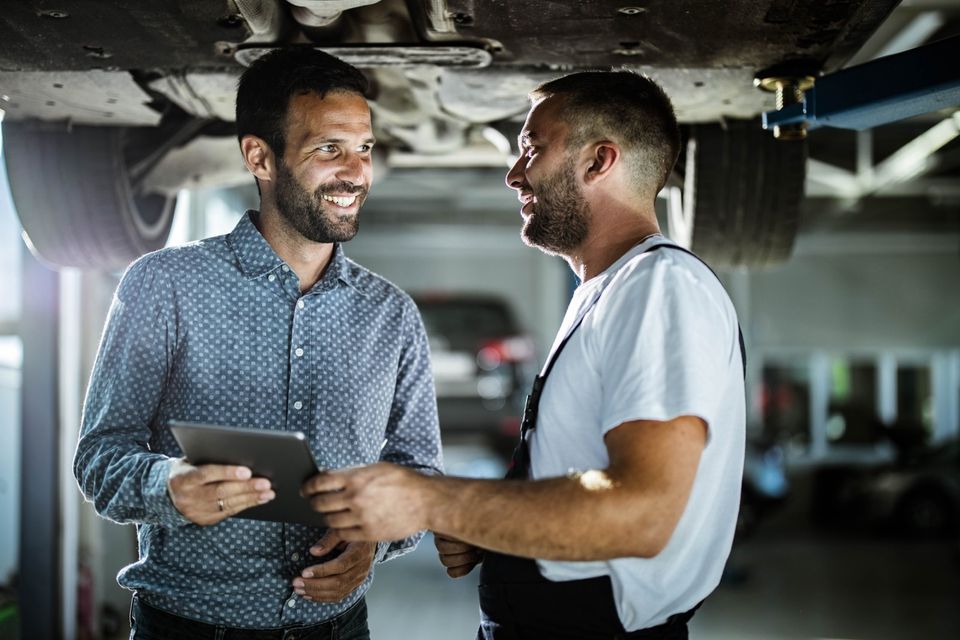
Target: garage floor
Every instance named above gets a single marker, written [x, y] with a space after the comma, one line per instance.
[804, 588]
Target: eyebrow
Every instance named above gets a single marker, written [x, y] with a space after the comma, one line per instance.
[311, 140]
[525, 138]
[326, 139]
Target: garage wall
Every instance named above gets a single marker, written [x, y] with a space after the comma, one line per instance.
[861, 301]
[438, 258]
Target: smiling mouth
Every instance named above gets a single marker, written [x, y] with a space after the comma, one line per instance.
[526, 201]
[340, 201]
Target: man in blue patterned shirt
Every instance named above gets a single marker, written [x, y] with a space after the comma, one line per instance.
[272, 327]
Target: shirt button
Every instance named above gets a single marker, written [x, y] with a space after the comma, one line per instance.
[292, 602]
[295, 556]
[285, 268]
[298, 405]
[271, 277]
[299, 352]
[299, 304]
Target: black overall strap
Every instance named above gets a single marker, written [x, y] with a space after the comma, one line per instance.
[520, 462]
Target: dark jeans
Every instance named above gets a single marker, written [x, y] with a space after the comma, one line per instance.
[149, 623]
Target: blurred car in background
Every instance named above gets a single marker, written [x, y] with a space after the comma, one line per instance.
[918, 495]
[483, 364]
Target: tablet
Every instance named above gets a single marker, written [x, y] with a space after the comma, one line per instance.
[281, 456]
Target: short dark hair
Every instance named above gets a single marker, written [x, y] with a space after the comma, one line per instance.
[623, 106]
[267, 86]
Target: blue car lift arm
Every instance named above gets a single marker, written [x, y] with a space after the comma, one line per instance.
[885, 90]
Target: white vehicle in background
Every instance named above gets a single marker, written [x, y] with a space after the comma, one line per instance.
[483, 365]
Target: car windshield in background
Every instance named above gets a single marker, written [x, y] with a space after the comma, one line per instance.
[465, 323]
[482, 365]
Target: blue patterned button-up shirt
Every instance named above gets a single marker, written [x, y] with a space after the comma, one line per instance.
[218, 332]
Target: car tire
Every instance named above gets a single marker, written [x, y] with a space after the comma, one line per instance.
[742, 189]
[926, 513]
[831, 504]
[75, 198]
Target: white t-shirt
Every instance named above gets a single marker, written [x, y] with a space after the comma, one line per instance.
[661, 342]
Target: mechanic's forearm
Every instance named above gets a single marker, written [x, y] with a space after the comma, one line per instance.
[586, 517]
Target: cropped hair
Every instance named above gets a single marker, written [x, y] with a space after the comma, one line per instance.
[625, 107]
[267, 85]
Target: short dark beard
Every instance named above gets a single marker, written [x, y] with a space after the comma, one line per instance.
[560, 218]
[308, 214]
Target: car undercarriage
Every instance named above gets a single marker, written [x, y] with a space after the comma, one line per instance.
[122, 105]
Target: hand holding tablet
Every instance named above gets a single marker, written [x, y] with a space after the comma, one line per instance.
[210, 493]
[282, 457]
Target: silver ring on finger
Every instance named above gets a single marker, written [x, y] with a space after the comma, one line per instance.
[220, 504]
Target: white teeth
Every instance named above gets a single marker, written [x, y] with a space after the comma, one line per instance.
[341, 202]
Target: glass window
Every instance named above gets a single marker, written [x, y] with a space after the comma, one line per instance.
[852, 415]
[785, 403]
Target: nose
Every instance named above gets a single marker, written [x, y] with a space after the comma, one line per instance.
[514, 178]
[355, 169]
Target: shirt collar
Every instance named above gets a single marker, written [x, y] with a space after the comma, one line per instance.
[257, 258]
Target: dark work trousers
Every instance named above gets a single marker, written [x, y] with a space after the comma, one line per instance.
[517, 603]
[150, 623]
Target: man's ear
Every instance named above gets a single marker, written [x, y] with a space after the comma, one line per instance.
[258, 158]
[604, 156]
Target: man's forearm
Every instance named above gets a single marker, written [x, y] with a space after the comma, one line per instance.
[584, 517]
[630, 508]
[125, 483]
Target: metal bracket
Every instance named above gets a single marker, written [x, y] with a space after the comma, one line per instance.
[885, 90]
[399, 55]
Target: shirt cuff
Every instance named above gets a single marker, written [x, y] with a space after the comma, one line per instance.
[156, 497]
[387, 551]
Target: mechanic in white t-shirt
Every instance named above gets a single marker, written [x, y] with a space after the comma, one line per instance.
[618, 513]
